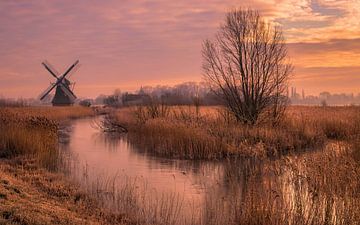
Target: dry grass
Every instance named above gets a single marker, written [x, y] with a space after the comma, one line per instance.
[339, 122]
[34, 196]
[319, 187]
[316, 188]
[32, 131]
[135, 199]
[212, 133]
[51, 113]
[28, 193]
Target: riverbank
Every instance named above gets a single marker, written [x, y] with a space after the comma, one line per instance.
[32, 195]
[32, 190]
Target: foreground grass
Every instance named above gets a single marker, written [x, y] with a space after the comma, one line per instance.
[31, 195]
[211, 132]
[32, 131]
[31, 192]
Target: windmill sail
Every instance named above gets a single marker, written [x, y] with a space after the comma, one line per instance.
[63, 94]
[47, 91]
[51, 69]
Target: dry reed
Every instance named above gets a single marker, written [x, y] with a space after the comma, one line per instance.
[32, 131]
[212, 133]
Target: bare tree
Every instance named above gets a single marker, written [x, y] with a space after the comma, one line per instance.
[247, 66]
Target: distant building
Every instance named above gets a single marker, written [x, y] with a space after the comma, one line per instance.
[135, 99]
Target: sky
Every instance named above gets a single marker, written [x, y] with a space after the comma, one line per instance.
[126, 44]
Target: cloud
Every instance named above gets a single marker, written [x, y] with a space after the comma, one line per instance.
[132, 42]
[330, 53]
[335, 79]
[337, 45]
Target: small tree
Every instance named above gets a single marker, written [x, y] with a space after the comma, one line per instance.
[247, 66]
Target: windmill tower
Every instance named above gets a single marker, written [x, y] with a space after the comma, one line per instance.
[64, 95]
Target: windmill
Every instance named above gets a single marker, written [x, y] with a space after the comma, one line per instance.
[63, 94]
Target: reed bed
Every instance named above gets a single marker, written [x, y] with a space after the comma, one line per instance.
[32, 131]
[212, 133]
[317, 188]
[52, 113]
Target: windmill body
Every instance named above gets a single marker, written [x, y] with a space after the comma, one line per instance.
[64, 96]
[61, 98]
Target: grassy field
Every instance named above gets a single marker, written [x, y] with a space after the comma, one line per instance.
[212, 133]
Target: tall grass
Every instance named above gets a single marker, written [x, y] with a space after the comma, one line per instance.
[51, 113]
[316, 188]
[32, 132]
[336, 123]
[135, 199]
[177, 140]
[212, 133]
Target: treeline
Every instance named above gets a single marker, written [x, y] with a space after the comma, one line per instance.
[325, 98]
[182, 94]
[188, 93]
[21, 102]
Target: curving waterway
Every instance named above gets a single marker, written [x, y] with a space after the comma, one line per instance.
[102, 156]
[209, 192]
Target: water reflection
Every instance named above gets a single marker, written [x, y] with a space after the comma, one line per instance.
[112, 155]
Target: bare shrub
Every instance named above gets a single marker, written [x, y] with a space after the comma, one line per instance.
[247, 66]
[157, 109]
[110, 124]
[152, 110]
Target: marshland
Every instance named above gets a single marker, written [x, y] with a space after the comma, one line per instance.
[186, 165]
[238, 145]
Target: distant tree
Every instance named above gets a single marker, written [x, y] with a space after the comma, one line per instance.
[114, 100]
[100, 99]
[247, 66]
[325, 95]
[182, 94]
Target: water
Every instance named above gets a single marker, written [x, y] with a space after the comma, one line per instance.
[211, 192]
[101, 155]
